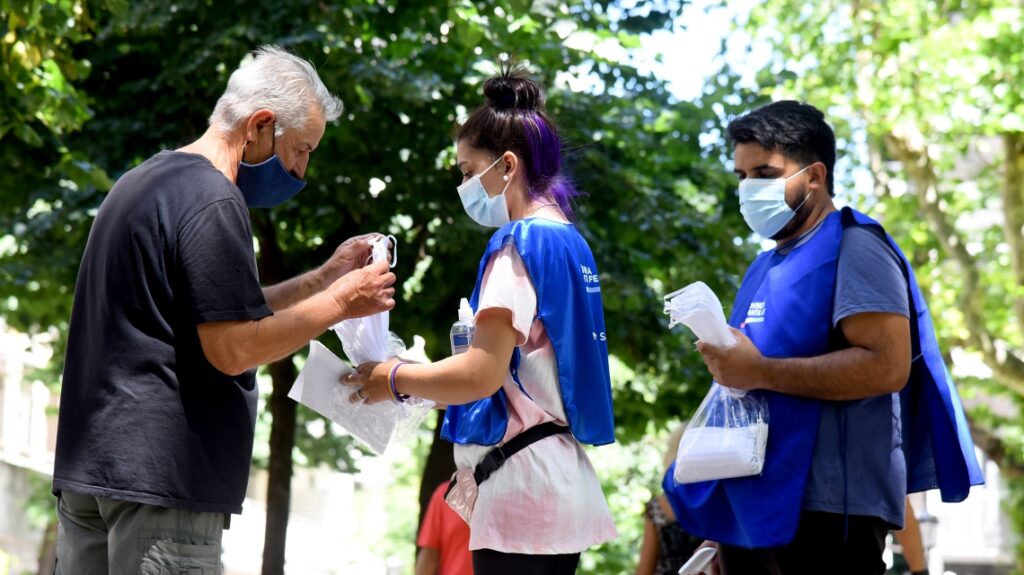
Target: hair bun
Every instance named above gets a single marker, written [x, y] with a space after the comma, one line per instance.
[513, 89]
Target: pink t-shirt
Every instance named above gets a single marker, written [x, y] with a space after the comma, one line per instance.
[545, 499]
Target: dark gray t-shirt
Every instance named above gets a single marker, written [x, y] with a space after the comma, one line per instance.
[144, 417]
[858, 466]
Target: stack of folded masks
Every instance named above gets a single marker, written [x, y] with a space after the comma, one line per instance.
[698, 308]
[707, 453]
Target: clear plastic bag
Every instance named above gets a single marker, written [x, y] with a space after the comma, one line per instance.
[462, 493]
[363, 339]
[725, 438]
[319, 389]
[728, 434]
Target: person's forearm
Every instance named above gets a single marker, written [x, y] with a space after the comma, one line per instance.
[456, 380]
[428, 561]
[244, 345]
[910, 540]
[475, 374]
[648, 550]
[848, 374]
[281, 296]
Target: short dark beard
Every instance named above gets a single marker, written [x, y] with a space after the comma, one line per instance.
[803, 212]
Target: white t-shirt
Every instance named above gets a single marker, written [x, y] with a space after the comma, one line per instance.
[546, 498]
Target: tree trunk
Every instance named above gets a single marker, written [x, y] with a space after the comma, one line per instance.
[438, 469]
[272, 270]
[279, 480]
[994, 448]
[1013, 211]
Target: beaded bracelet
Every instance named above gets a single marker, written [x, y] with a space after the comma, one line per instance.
[399, 397]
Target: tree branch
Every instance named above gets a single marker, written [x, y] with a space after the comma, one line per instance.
[881, 176]
[1006, 366]
[994, 448]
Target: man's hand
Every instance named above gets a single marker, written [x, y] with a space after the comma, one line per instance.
[713, 568]
[364, 291]
[235, 346]
[350, 255]
[740, 366]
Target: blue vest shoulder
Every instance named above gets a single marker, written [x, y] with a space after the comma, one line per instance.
[936, 438]
[565, 277]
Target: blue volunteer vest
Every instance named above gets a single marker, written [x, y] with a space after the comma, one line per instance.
[936, 439]
[785, 306]
[564, 275]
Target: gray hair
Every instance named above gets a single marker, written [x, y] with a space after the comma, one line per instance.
[275, 79]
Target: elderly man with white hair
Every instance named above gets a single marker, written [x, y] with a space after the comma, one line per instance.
[158, 404]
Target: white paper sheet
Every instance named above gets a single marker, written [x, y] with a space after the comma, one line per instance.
[318, 388]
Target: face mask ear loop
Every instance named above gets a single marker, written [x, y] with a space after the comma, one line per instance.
[807, 195]
[798, 173]
[505, 177]
[273, 139]
[480, 177]
[494, 163]
[393, 241]
[797, 209]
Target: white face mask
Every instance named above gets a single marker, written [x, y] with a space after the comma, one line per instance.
[763, 204]
[484, 210]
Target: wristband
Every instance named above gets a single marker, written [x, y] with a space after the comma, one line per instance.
[399, 397]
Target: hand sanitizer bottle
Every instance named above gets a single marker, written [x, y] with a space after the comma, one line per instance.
[462, 330]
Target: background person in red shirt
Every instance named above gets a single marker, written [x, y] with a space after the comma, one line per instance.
[443, 540]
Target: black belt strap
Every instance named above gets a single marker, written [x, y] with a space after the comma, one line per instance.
[496, 457]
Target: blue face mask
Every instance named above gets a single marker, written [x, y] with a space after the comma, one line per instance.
[484, 210]
[268, 183]
[763, 204]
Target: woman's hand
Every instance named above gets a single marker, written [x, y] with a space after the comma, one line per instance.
[455, 380]
[370, 382]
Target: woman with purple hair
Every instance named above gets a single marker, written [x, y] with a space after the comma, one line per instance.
[534, 385]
